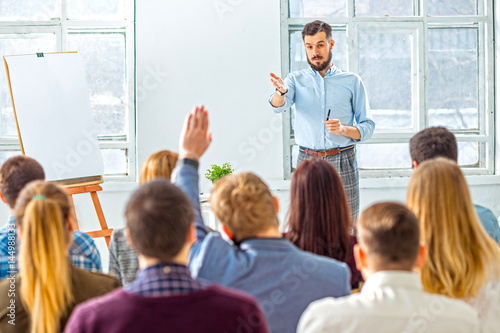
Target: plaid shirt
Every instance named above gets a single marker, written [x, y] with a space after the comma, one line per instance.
[83, 253]
[164, 280]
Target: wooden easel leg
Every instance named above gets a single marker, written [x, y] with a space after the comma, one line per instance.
[75, 221]
[100, 215]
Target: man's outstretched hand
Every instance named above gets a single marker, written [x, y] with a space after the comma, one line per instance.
[278, 83]
[334, 126]
[195, 137]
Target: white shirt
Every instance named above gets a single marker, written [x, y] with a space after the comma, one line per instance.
[390, 301]
[487, 304]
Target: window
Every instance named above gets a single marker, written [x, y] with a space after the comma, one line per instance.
[102, 31]
[424, 63]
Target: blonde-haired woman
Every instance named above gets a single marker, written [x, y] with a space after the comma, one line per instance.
[462, 262]
[122, 258]
[43, 295]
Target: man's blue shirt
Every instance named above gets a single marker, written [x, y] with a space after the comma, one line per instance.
[311, 96]
[83, 253]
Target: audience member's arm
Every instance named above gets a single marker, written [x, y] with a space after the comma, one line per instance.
[114, 264]
[194, 141]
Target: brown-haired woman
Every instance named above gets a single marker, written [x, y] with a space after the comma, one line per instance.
[48, 287]
[318, 218]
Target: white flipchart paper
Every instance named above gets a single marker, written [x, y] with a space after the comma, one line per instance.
[56, 123]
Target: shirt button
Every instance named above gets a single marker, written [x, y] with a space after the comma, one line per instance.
[167, 269]
[322, 106]
[322, 93]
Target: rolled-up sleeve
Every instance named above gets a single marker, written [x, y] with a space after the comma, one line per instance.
[362, 112]
[289, 97]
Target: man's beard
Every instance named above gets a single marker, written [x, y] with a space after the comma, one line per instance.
[323, 65]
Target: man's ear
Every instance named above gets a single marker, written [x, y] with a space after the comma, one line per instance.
[191, 237]
[332, 42]
[227, 232]
[128, 239]
[276, 204]
[3, 198]
[414, 164]
[359, 257]
[422, 254]
[71, 222]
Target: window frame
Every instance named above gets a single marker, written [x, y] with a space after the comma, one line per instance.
[62, 27]
[420, 23]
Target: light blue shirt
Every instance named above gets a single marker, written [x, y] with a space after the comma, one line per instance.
[310, 96]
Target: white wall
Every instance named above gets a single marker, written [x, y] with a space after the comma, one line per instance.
[190, 52]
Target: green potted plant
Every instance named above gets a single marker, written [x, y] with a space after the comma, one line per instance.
[216, 172]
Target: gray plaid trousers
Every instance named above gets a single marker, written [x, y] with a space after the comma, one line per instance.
[346, 165]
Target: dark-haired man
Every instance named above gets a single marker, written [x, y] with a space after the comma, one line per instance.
[435, 142]
[392, 298]
[15, 173]
[331, 109]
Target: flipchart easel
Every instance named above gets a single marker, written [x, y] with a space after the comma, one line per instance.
[80, 185]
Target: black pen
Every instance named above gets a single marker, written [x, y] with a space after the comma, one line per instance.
[328, 115]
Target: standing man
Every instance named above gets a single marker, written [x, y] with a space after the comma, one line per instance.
[331, 109]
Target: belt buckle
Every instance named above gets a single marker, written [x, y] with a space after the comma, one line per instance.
[324, 153]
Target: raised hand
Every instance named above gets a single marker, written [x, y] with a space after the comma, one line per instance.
[195, 137]
[278, 83]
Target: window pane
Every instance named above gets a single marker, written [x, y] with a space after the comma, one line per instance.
[298, 57]
[35, 10]
[385, 67]
[468, 154]
[12, 44]
[383, 156]
[384, 7]
[318, 8]
[452, 7]
[96, 9]
[103, 58]
[6, 154]
[115, 161]
[453, 78]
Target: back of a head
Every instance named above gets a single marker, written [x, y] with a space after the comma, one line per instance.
[159, 217]
[318, 216]
[460, 253]
[312, 28]
[244, 204]
[42, 212]
[158, 165]
[15, 173]
[390, 232]
[433, 142]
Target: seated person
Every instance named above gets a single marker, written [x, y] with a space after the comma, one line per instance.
[122, 258]
[15, 173]
[41, 297]
[435, 142]
[463, 261]
[262, 263]
[164, 297]
[318, 218]
[392, 298]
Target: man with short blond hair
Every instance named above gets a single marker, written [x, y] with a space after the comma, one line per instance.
[392, 298]
[261, 262]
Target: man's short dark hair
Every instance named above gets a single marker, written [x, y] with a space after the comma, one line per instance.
[390, 231]
[312, 28]
[433, 142]
[159, 217]
[15, 173]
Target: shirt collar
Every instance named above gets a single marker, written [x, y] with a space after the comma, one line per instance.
[331, 71]
[392, 279]
[158, 270]
[273, 244]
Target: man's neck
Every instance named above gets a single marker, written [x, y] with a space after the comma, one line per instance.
[145, 262]
[323, 72]
[272, 232]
